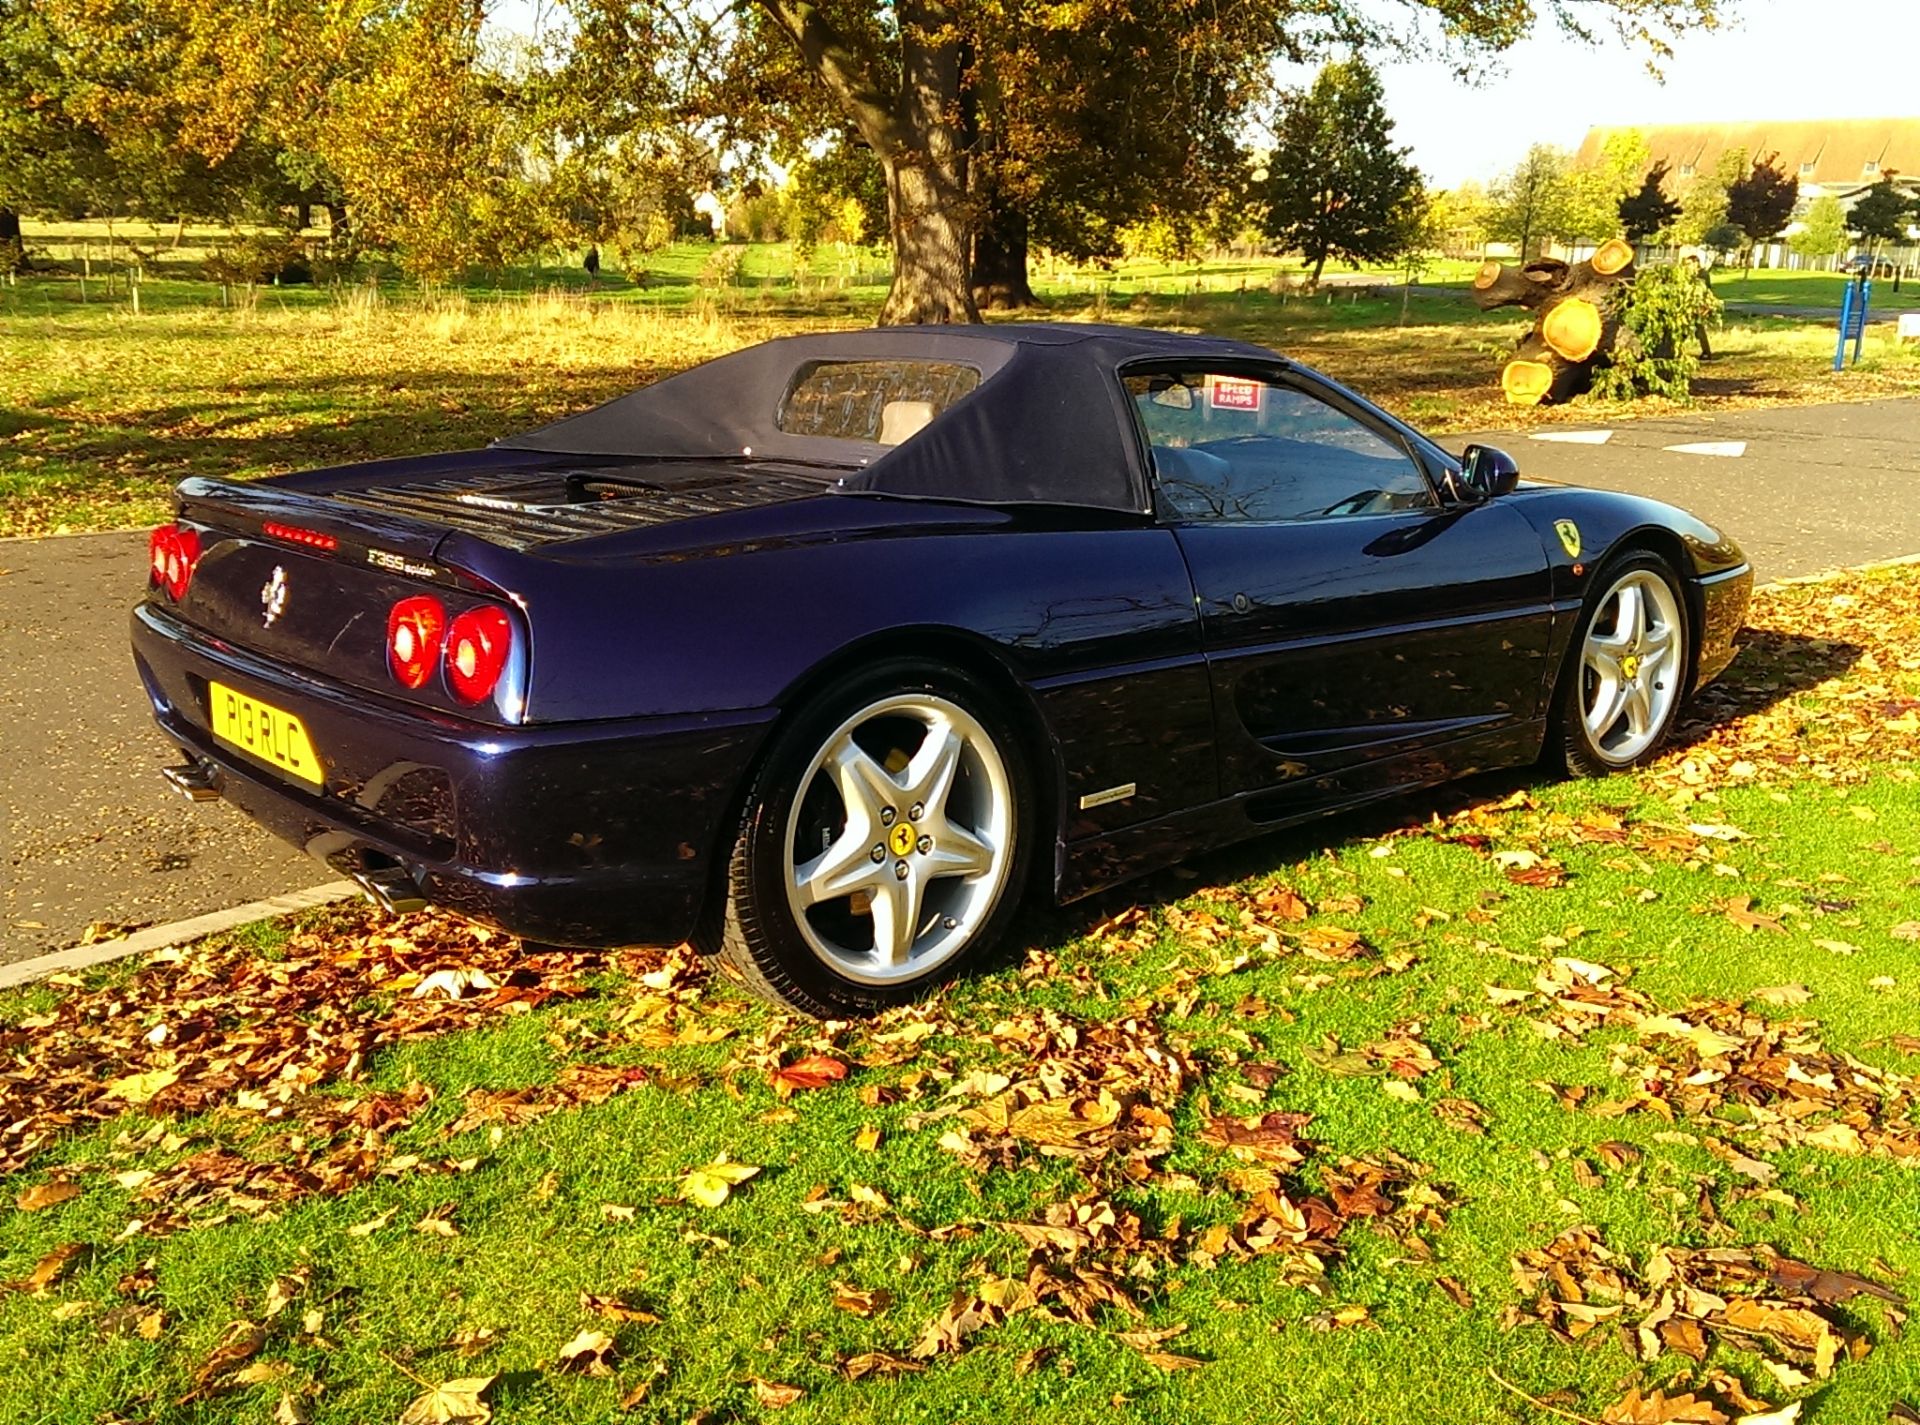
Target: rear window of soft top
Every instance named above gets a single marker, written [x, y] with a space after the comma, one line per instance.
[883, 402]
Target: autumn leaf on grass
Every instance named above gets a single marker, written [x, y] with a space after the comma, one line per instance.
[860, 1301]
[815, 1071]
[49, 1269]
[618, 1310]
[45, 1195]
[1269, 1138]
[1148, 1342]
[878, 1363]
[1906, 930]
[635, 1395]
[456, 984]
[1738, 910]
[775, 1395]
[138, 1089]
[243, 1342]
[372, 1224]
[1657, 1408]
[1284, 903]
[711, 1185]
[1783, 994]
[454, 1402]
[591, 1353]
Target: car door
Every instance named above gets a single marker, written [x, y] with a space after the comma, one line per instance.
[1358, 629]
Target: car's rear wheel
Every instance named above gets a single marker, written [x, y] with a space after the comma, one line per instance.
[882, 845]
[1627, 671]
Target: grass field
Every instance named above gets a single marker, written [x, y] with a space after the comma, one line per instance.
[102, 411]
[265, 1179]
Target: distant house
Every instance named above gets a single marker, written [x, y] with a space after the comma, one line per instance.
[1839, 158]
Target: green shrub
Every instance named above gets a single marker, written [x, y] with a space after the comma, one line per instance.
[1662, 314]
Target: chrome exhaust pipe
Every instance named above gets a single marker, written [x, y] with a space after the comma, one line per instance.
[390, 888]
[196, 781]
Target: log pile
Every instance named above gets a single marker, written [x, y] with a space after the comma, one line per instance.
[1572, 328]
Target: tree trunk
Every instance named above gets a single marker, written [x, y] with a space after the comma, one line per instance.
[9, 225]
[926, 208]
[1319, 265]
[1000, 281]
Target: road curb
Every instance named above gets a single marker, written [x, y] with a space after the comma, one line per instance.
[1899, 561]
[161, 937]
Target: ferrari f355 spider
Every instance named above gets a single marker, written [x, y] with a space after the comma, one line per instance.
[824, 653]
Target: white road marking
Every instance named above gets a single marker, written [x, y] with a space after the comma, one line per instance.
[160, 937]
[1576, 437]
[1727, 448]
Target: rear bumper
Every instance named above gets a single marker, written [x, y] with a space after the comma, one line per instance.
[595, 834]
[1723, 612]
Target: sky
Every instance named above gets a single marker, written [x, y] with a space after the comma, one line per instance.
[1773, 59]
[1778, 59]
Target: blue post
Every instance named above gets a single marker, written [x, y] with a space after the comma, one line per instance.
[1860, 319]
[1846, 311]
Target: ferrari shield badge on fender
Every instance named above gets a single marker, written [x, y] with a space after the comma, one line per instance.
[1569, 533]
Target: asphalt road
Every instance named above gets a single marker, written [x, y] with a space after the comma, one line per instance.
[92, 835]
[89, 832]
[1803, 488]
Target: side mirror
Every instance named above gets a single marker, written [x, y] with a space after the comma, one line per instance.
[1488, 472]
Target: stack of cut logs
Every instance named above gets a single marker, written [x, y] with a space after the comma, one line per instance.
[1554, 361]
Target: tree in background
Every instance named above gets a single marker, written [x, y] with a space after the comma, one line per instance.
[1336, 185]
[423, 141]
[1462, 214]
[1881, 214]
[1760, 203]
[1646, 211]
[1529, 203]
[1703, 203]
[1595, 192]
[1825, 230]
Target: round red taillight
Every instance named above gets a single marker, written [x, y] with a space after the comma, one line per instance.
[414, 629]
[183, 552]
[477, 647]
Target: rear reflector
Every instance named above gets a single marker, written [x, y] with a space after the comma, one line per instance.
[477, 647]
[172, 553]
[293, 534]
[414, 630]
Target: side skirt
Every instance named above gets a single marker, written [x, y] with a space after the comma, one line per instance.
[1095, 862]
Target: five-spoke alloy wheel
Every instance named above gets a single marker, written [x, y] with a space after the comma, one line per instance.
[1630, 666]
[882, 843]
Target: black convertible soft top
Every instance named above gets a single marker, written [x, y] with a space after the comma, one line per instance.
[1047, 424]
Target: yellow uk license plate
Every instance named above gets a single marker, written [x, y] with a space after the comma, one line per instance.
[264, 731]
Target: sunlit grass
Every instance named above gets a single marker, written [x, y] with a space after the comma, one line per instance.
[102, 411]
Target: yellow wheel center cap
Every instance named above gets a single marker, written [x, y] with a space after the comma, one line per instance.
[1630, 667]
[901, 838]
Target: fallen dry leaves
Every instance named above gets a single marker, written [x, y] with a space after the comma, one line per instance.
[1684, 1302]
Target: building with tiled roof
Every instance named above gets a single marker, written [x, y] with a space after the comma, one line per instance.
[1837, 156]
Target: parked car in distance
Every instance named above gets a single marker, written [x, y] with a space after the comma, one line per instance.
[825, 652]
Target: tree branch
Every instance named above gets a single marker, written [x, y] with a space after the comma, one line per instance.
[849, 73]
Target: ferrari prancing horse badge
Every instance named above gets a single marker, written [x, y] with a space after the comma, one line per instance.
[1569, 533]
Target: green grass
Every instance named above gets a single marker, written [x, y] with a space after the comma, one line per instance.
[744, 1291]
[103, 411]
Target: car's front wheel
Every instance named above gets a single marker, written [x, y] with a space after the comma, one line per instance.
[882, 845]
[1628, 669]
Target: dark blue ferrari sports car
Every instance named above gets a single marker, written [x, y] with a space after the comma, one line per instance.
[822, 653]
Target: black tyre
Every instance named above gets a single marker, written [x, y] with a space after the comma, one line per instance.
[883, 844]
[1626, 671]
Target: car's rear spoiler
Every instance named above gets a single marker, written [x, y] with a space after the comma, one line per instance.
[247, 508]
